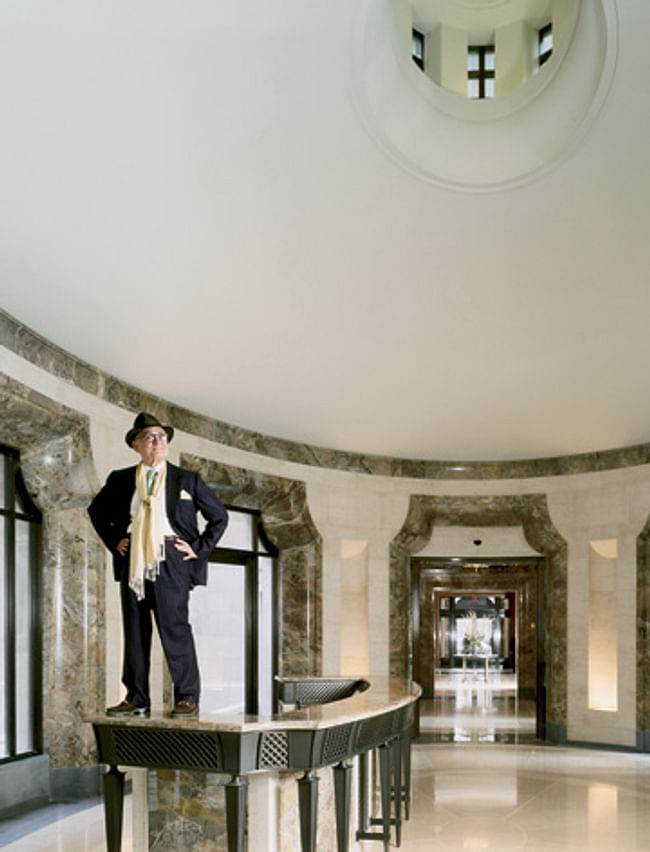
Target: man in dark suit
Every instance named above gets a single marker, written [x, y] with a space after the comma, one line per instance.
[146, 516]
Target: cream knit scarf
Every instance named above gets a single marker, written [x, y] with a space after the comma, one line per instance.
[147, 537]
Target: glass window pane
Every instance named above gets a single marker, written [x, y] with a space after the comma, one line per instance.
[239, 532]
[25, 651]
[546, 42]
[472, 60]
[489, 60]
[3, 488]
[472, 89]
[489, 88]
[217, 615]
[265, 635]
[4, 738]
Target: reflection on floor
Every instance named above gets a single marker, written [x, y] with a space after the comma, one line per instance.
[75, 827]
[467, 708]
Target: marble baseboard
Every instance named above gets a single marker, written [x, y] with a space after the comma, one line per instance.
[24, 785]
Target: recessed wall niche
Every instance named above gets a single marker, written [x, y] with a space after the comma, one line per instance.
[602, 642]
[355, 653]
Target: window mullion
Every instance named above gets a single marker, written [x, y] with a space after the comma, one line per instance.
[10, 616]
[481, 69]
[37, 657]
[251, 585]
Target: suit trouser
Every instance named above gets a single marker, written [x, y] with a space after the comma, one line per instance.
[167, 599]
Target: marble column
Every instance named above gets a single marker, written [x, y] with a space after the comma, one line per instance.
[56, 464]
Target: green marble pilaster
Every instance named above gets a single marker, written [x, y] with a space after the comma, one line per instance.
[56, 463]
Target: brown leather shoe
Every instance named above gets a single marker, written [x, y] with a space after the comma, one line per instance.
[125, 708]
[185, 709]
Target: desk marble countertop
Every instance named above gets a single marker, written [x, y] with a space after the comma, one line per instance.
[382, 695]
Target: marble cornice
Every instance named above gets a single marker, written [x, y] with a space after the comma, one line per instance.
[37, 350]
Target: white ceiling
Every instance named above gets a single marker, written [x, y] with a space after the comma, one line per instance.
[203, 168]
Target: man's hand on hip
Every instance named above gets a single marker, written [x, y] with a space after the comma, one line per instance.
[185, 548]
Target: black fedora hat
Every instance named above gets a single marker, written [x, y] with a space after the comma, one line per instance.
[146, 421]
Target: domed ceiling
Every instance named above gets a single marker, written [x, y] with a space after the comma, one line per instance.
[197, 200]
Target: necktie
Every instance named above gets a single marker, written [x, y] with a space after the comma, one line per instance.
[151, 478]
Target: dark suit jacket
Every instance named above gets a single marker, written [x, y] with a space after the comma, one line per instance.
[110, 513]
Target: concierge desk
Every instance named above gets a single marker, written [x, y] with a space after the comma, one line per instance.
[323, 722]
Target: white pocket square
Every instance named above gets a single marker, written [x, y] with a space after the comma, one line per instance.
[185, 495]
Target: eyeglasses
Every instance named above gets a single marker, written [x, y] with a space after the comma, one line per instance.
[152, 439]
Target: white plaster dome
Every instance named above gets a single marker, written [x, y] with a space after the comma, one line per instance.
[495, 143]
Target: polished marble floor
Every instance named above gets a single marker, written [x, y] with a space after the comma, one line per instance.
[532, 798]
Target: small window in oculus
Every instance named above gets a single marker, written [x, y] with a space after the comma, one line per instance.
[480, 71]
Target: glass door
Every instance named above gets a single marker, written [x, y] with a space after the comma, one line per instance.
[234, 618]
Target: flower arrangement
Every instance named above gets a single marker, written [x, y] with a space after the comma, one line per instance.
[474, 643]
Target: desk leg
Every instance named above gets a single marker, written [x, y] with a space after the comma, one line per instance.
[396, 760]
[384, 774]
[236, 812]
[406, 762]
[113, 808]
[342, 785]
[364, 819]
[308, 807]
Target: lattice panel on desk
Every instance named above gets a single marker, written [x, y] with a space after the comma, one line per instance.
[322, 692]
[274, 750]
[336, 744]
[375, 731]
[182, 749]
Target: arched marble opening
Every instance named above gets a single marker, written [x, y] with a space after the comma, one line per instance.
[530, 511]
[55, 454]
[287, 522]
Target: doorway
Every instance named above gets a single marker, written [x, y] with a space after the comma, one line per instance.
[479, 649]
[234, 618]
